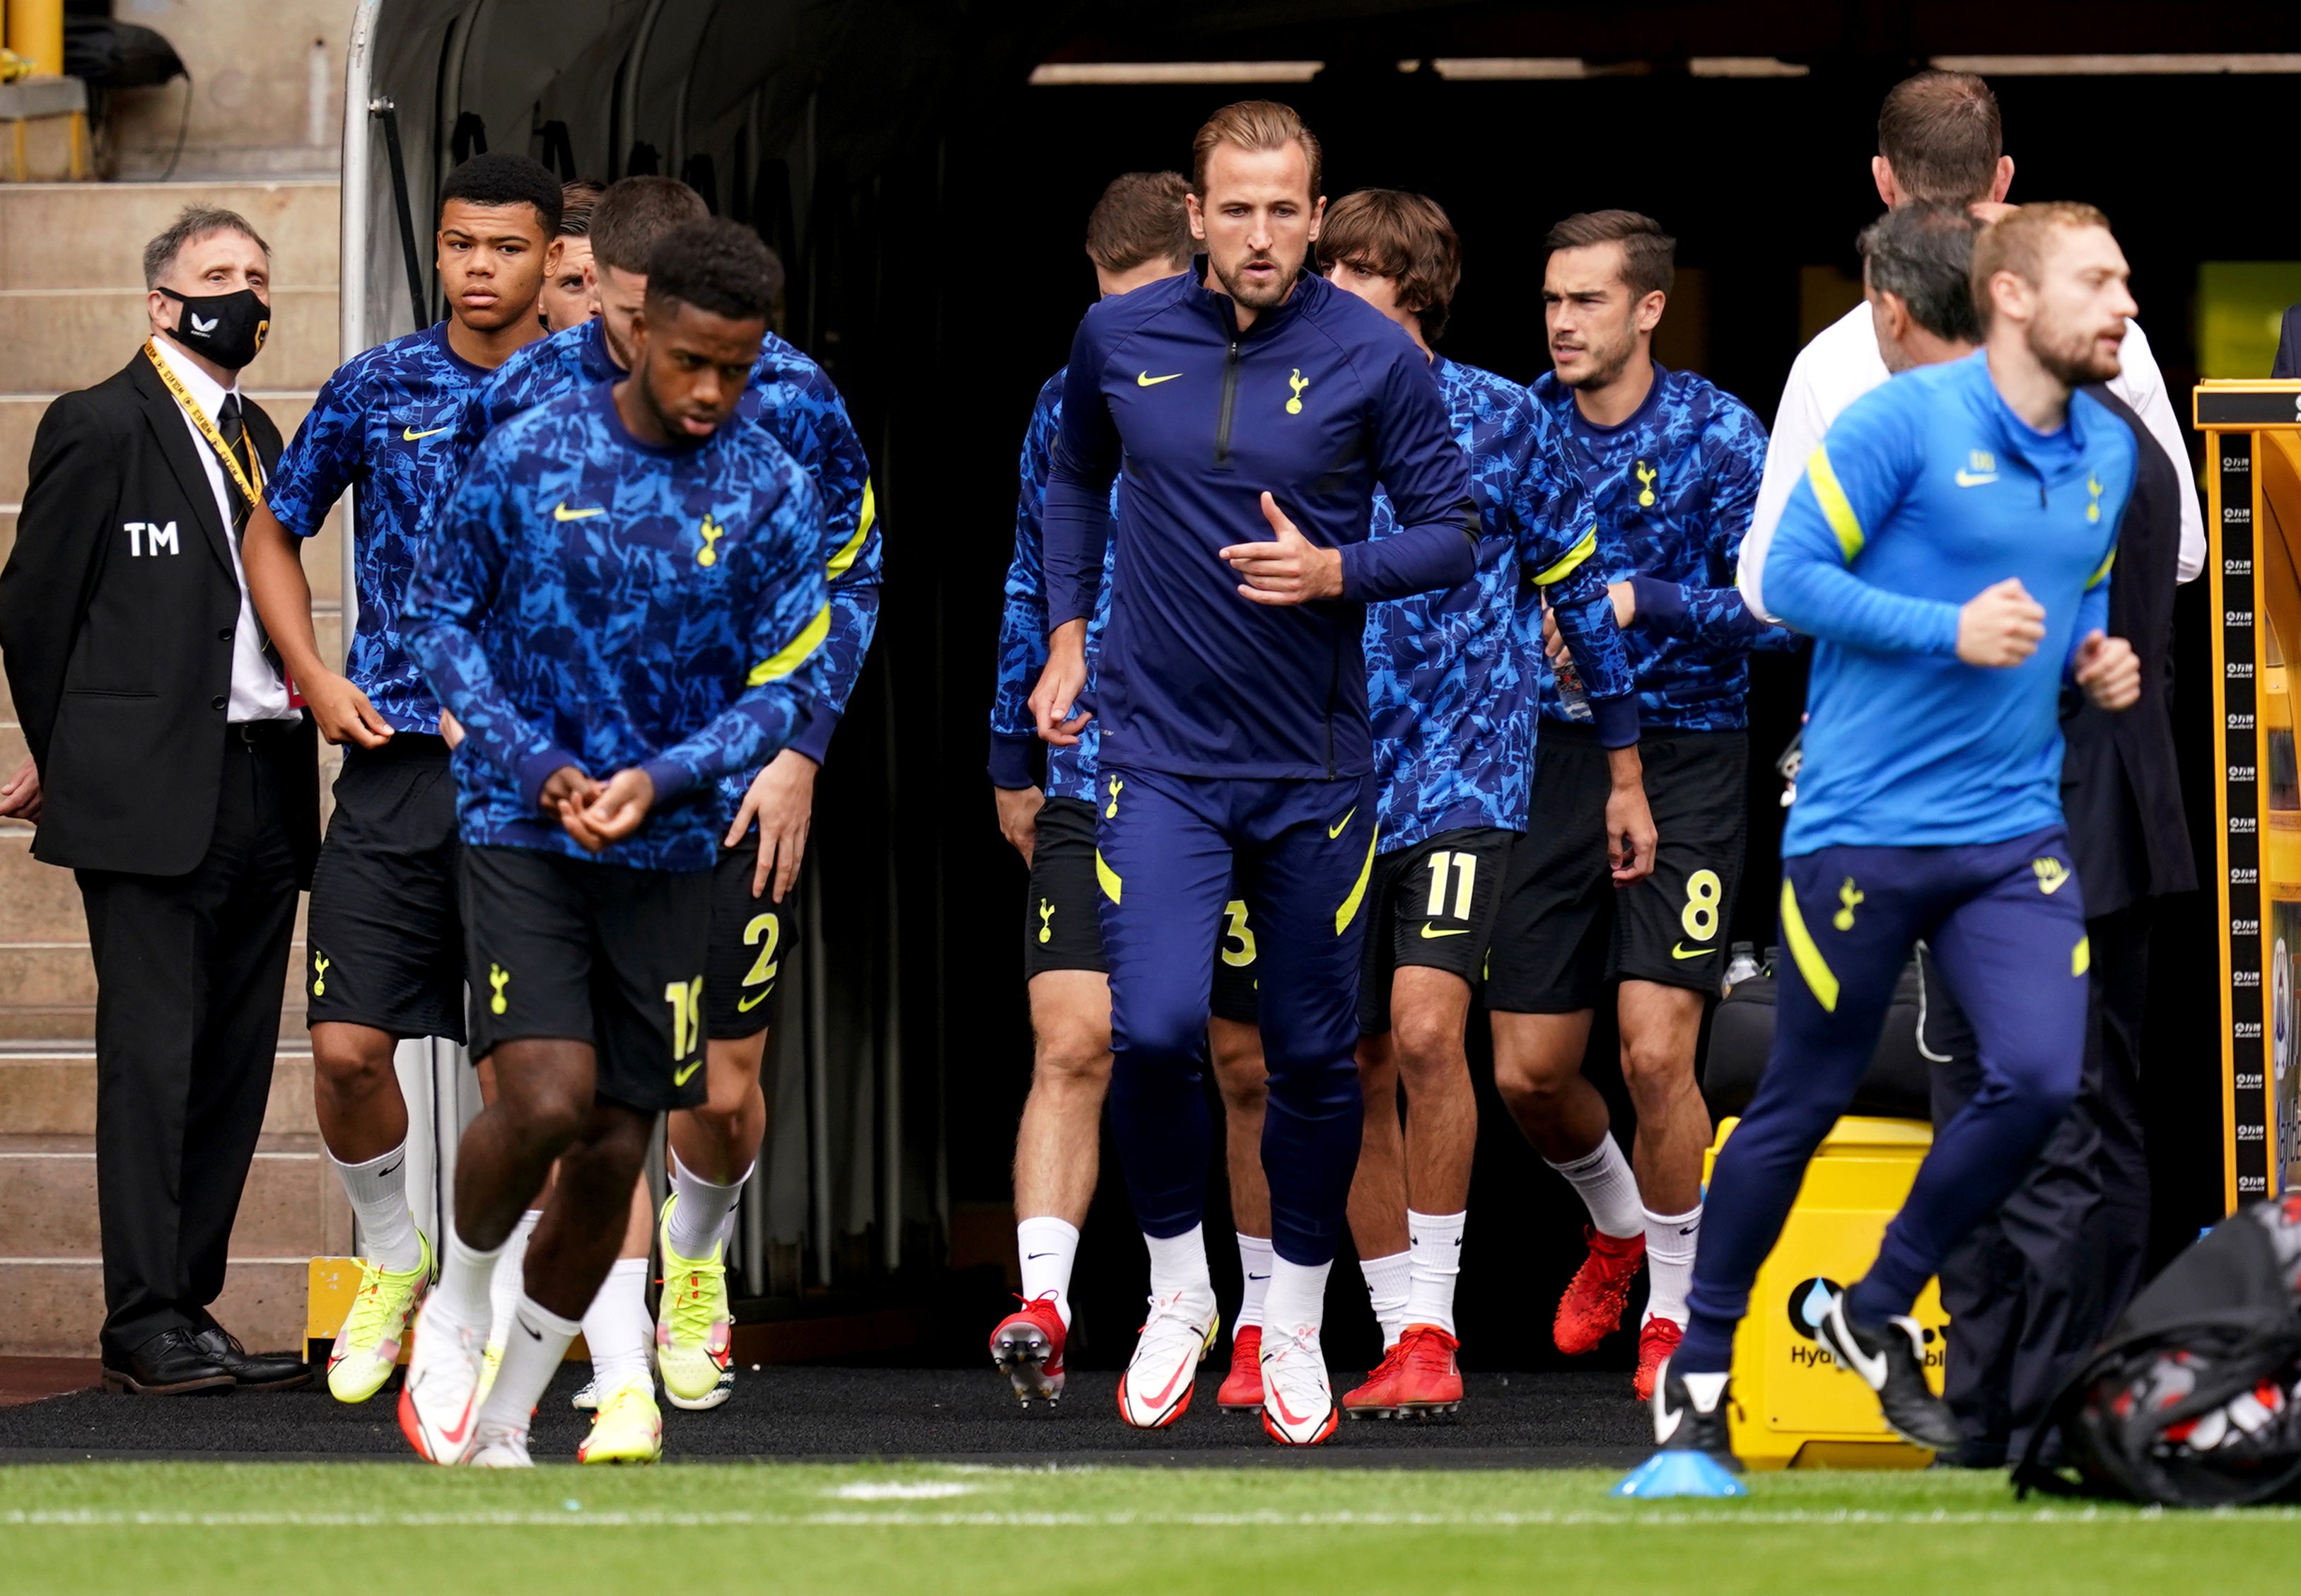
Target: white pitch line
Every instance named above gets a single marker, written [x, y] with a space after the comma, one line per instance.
[92, 1518]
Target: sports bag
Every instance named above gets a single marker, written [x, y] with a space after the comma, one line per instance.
[2194, 1400]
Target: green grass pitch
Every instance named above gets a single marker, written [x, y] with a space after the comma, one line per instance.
[318, 1528]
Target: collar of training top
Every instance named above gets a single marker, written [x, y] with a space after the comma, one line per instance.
[1225, 310]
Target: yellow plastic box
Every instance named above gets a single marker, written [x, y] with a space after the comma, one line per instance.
[1792, 1407]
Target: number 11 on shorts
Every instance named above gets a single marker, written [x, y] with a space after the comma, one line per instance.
[686, 1000]
[1465, 867]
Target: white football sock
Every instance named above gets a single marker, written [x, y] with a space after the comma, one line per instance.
[465, 1275]
[1608, 1190]
[1254, 1260]
[1389, 1282]
[1048, 1247]
[1434, 1244]
[701, 1212]
[508, 1283]
[1179, 1264]
[616, 1329]
[1670, 1240]
[1297, 1299]
[378, 1190]
[735, 1215]
[532, 1354]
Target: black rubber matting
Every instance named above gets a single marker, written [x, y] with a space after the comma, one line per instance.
[823, 1414]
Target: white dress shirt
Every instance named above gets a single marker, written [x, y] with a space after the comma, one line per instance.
[257, 691]
[1843, 363]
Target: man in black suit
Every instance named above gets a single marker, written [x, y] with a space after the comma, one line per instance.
[173, 775]
[2288, 364]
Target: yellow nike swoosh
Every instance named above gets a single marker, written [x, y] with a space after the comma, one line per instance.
[746, 1005]
[1145, 379]
[1431, 935]
[2052, 887]
[1966, 478]
[411, 434]
[681, 1077]
[1335, 830]
[560, 512]
[1681, 951]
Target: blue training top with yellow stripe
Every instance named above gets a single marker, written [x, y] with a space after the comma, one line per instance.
[1925, 492]
[1450, 675]
[596, 601]
[1023, 627]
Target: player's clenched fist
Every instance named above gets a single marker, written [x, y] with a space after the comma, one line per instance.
[2109, 671]
[1291, 569]
[2000, 626]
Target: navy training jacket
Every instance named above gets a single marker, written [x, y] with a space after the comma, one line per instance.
[1317, 401]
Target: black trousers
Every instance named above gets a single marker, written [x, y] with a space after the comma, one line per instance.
[2031, 1292]
[191, 971]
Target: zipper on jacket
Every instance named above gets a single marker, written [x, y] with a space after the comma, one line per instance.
[1334, 684]
[1229, 402]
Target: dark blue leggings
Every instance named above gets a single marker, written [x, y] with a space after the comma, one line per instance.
[1166, 850]
[2006, 923]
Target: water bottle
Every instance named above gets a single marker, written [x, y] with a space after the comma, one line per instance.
[1571, 694]
[1741, 964]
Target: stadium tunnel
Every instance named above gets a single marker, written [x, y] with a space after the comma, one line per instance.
[925, 168]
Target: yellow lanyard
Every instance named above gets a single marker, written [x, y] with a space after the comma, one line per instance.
[239, 478]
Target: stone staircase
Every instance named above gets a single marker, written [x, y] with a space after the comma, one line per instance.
[72, 312]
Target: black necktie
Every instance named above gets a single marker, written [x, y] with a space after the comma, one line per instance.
[233, 430]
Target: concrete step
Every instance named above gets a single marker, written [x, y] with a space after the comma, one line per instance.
[92, 235]
[54, 1307]
[58, 339]
[50, 1092]
[48, 1204]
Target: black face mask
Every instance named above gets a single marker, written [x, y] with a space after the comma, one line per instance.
[228, 329]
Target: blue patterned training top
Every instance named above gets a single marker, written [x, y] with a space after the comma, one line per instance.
[594, 601]
[1023, 627]
[794, 401]
[1449, 675]
[382, 425]
[1672, 490]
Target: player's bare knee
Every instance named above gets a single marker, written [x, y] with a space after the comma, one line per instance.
[1072, 1051]
[1428, 1046]
[1526, 1081]
[1655, 1069]
[354, 1067]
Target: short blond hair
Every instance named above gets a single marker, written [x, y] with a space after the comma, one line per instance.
[1254, 125]
[2016, 243]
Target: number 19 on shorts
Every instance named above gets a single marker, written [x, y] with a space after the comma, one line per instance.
[686, 1000]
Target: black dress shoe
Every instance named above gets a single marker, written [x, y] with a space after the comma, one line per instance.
[252, 1371]
[170, 1363]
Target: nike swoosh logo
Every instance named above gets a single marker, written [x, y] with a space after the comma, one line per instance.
[1160, 1399]
[1680, 950]
[1041, 1255]
[1278, 1401]
[1147, 381]
[1335, 830]
[455, 1437]
[560, 512]
[393, 1170]
[1966, 478]
[1666, 1424]
[1430, 935]
[1258, 1277]
[411, 434]
[681, 1077]
[533, 1332]
[2052, 887]
[1872, 1368]
[746, 1005]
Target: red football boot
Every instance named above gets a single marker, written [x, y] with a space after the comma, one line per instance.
[1657, 1339]
[1592, 1308]
[1429, 1380]
[1242, 1388]
[1028, 1349]
[1378, 1397]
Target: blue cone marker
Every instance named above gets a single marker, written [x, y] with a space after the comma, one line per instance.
[1680, 1474]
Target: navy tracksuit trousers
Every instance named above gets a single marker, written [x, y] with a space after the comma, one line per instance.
[2006, 925]
[1166, 847]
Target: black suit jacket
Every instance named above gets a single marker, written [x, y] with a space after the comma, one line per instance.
[117, 610]
[2288, 345]
[2121, 785]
